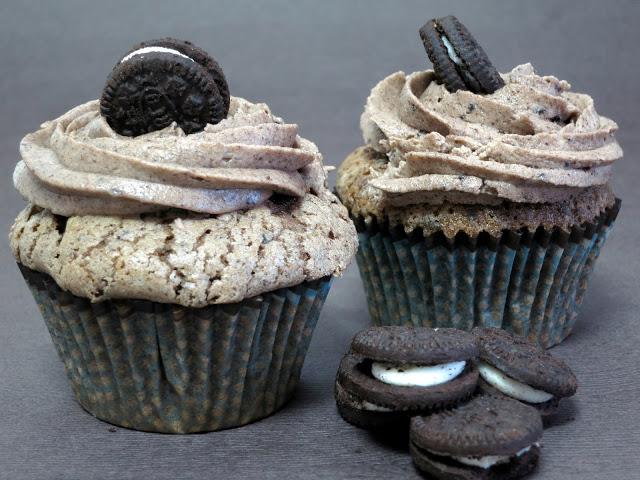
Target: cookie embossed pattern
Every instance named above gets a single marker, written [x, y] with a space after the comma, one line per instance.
[180, 243]
[480, 198]
[163, 81]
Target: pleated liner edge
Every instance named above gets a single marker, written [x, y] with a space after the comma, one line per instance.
[167, 368]
[531, 283]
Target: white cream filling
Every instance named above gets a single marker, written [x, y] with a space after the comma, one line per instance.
[510, 386]
[487, 461]
[416, 375]
[372, 407]
[361, 404]
[142, 51]
[451, 51]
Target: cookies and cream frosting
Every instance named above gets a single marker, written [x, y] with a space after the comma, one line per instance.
[531, 141]
[77, 165]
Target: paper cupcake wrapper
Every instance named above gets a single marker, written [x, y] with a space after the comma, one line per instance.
[530, 283]
[167, 368]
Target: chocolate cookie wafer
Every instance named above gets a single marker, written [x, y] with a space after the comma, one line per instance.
[157, 84]
[488, 438]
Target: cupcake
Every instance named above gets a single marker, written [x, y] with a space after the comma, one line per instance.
[180, 244]
[480, 199]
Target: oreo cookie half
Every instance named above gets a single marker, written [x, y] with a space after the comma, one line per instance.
[458, 60]
[488, 438]
[164, 81]
[512, 366]
[395, 372]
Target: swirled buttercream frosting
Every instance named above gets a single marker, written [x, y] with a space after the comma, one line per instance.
[77, 165]
[531, 141]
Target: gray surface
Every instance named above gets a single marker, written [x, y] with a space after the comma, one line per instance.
[314, 63]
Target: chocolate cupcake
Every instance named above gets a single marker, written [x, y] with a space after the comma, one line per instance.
[180, 244]
[480, 199]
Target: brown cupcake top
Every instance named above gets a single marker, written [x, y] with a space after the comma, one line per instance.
[368, 203]
[188, 258]
[216, 216]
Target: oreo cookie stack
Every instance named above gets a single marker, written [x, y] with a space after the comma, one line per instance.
[472, 402]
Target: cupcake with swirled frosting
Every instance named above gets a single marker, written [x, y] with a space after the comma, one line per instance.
[180, 275]
[478, 208]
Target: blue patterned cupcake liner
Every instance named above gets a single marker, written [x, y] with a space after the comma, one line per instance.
[167, 368]
[530, 283]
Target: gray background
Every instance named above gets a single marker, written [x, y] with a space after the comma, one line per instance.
[314, 63]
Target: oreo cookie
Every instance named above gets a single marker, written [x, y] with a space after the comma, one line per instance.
[163, 81]
[198, 55]
[394, 372]
[488, 438]
[459, 62]
[512, 366]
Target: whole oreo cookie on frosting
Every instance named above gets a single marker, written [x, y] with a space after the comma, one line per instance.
[164, 81]
[393, 372]
[198, 55]
[458, 60]
[488, 438]
[512, 366]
